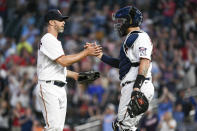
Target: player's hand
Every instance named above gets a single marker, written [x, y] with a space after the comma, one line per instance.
[87, 44]
[100, 55]
[92, 49]
[165, 91]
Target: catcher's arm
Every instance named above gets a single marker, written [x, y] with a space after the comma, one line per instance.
[114, 62]
[142, 72]
[139, 103]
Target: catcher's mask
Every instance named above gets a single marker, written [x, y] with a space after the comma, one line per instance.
[126, 17]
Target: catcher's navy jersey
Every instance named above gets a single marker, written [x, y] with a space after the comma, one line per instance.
[125, 63]
[136, 45]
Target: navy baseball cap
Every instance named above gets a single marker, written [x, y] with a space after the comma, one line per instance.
[55, 14]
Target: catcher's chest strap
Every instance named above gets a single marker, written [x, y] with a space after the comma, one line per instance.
[135, 64]
[128, 82]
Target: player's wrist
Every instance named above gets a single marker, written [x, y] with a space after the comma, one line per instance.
[86, 52]
[76, 76]
[104, 58]
[139, 81]
[100, 56]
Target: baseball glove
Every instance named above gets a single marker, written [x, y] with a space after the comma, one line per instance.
[138, 104]
[88, 77]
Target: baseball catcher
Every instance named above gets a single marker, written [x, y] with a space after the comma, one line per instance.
[134, 64]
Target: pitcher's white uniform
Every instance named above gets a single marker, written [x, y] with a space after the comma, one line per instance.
[52, 98]
[140, 48]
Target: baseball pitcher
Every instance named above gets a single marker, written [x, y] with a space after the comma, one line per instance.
[52, 72]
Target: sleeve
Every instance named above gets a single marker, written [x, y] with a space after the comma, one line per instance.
[114, 62]
[51, 48]
[144, 47]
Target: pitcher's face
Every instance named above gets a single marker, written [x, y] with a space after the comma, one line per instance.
[59, 26]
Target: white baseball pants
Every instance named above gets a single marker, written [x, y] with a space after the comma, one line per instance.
[123, 116]
[53, 101]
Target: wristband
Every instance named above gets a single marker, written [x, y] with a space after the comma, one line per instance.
[139, 81]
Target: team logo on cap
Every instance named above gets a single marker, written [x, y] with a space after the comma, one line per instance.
[59, 12]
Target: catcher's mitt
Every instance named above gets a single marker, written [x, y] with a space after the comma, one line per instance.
[88, 77]
[138, 104]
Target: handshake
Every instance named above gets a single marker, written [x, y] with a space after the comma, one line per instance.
[92, 49]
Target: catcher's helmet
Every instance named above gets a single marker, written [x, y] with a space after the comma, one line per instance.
[127, 17]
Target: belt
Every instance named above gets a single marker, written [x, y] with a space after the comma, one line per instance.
[128, 82]
[57, 83]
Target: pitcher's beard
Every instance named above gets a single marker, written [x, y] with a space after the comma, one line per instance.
[61, 30]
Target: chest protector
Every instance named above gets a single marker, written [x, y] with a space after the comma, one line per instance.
[125, 63]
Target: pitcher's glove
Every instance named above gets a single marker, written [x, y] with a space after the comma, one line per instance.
[138, 104]
[88, 77]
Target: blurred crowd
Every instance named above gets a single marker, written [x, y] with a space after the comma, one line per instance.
[172, 26]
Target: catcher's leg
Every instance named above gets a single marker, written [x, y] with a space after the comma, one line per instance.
[124, 120]
[116, 127]
[123, 116]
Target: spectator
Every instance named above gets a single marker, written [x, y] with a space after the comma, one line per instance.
[4, 116]
[165, 103]
[178, 115]
[150, 121]
[26, 121]
[167, 123]
[109, 117]
[185, 102]
[24, 44]
[18, 112]
[23, 95]
[96, 89]
[37, 126]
